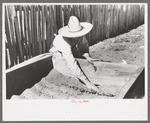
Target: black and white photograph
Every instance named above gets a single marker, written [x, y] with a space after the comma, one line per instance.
[76, 54]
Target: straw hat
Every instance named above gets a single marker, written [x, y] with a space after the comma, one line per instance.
[75, 28]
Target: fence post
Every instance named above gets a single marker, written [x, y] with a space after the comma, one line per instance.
[29, 30]
[35, 31]
[76, 11]
[39, 43]
[52, 24]
[111, 22]
[106, 20]
[26, 32]
[43, 29]
[93, 32]
[21, 29]
[10, 14]
[8, 35]
[66, 14]
[47, 29]
[81, 13]
[18, 39]
[59, 16]
[32, 30]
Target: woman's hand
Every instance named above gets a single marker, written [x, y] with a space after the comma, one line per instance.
[90, 85]
[89, 59]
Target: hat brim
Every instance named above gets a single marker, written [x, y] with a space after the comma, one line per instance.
[86, 27]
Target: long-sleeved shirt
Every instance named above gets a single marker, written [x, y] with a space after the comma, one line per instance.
[70, 50]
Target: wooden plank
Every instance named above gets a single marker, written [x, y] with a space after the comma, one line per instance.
[143, 13]
[111, 21]
[85, 13]
[8, 35]
[101, 22]
[76, 11]
[126, 17]
[27, 74]
[18, 39]
[95, 12]
[93, 23]
[106, 21]
[117, 16]
[81, 13]
[15, 7]
[114, 20]
[21, 29]
[90, 21]
[123, 21]
[96, 25]
[51, 25]
[66, 15]
[12, 30]
[120, 20]
[43, 30]
[138, 14]
[131, 17]
[29, 30]
[85, 18]
[48, 39]
[32, 30]
[129, 90]
[35, 30]
[26, 33]
[55, 25]
[45, 26]
[137, 90]
[39, 30]
[61, 16]
[58, 17]
[135, 19]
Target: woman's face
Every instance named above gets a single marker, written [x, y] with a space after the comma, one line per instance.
[76, 38]
[73, 39]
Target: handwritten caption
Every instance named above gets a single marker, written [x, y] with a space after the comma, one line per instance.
[79, 101]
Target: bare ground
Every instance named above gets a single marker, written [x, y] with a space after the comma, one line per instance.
[128, 48]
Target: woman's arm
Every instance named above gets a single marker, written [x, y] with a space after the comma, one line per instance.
[65, 49]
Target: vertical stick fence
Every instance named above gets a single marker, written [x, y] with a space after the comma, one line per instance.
[31, 31]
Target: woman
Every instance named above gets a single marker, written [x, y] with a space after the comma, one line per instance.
[70, 43]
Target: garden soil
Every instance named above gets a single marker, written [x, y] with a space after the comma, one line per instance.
[127, 48]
